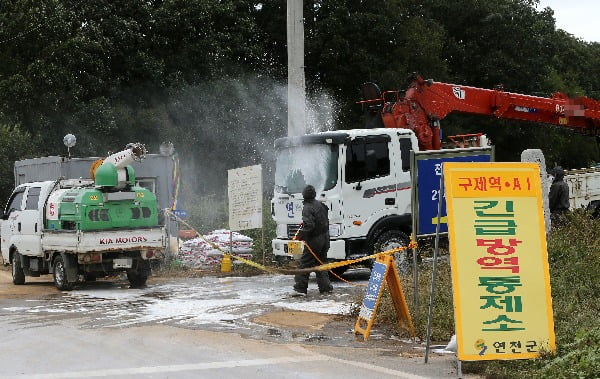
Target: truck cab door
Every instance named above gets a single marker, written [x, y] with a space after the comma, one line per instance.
[9, 229]
[368, 184]
[30, 222]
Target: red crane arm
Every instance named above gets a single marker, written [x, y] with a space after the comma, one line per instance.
[426, 102]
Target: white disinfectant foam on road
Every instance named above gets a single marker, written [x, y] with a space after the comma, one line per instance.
[193, 301]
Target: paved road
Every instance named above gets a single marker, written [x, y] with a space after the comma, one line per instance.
[191, 328]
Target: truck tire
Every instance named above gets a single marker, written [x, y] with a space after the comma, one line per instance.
[594, 208]
[60, 275]
[139, 276]
[18, 276]
[391, 239]
[339, 271]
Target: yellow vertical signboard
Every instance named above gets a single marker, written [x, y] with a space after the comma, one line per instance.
[500, 276]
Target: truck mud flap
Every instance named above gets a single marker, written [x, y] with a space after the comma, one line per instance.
[25, 264]
[70, 266]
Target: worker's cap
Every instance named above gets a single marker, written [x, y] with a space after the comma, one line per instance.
[309, 192]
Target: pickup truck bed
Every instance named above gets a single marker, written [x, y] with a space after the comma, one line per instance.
[77, 241]
[584, 187]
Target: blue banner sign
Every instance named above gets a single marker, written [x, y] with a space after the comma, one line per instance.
[428, 174]
[180, 213]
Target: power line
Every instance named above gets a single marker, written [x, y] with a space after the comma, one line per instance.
[21, 34]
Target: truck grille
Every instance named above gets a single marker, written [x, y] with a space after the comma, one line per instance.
[292, 229]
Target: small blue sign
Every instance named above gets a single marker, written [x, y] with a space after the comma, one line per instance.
[373, 289]
[429, 172]
[180, 213]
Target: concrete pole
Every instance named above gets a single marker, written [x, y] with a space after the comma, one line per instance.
[296, 84]
[537, 156]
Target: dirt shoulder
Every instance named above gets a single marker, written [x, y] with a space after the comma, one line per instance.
[41, 287]
[295, 319]
[33, 288]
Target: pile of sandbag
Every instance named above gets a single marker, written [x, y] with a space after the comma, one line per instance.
[197, 252]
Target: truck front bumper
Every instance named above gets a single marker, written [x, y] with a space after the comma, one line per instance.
[337, 249]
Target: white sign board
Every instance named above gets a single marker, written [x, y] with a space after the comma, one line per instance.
[245, 197]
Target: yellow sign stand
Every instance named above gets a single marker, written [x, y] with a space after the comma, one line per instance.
[384, 270]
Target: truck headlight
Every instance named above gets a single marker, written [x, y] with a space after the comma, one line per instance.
[281, 230]
[335, 230]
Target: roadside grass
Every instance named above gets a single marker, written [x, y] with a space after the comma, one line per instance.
[574, 259]
[443, 321]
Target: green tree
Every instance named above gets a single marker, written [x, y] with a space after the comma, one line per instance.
[508, 42]
[75, 65]
[15, 144]
[366, 42]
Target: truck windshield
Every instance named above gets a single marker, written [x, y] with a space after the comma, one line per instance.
[299, 166]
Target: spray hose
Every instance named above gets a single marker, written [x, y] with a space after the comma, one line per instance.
[295, 238]
[276, 270]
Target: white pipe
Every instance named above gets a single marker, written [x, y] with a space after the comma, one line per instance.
[134, 152]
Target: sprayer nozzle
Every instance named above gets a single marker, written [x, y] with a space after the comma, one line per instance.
[138, 150]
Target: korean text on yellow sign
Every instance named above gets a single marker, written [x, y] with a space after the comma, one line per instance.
[500, 277]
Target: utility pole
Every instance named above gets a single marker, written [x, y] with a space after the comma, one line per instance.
[296, 83]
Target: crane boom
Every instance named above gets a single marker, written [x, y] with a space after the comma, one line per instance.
[426, 102]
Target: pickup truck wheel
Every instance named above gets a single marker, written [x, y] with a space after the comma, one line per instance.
[18, 276]
[138, 278]
[60, 275]
[392, 239]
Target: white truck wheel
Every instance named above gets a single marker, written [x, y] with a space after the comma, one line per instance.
[60, 275]
[391, 239]
[18, 276]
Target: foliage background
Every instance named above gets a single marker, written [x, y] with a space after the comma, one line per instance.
[210, 76]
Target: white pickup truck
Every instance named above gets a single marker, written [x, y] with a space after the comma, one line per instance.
[584, 189]
[75, 231]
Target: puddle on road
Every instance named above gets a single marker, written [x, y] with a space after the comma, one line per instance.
[292, 335]
[315, 338]
[229, 304]
[158, 295]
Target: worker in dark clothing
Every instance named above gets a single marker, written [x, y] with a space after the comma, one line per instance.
[314, 233]
[558, 198]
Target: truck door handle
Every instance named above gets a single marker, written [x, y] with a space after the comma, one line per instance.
[35, 228]
[19, 226]
[390, 201]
